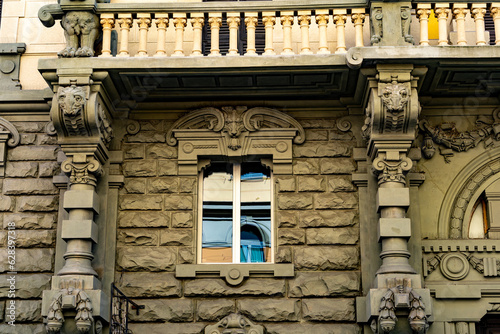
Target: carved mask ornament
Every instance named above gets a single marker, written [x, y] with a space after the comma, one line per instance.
[395, 97]
[71, 100]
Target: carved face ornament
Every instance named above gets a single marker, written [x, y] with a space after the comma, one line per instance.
[71, 100]
[395, 97]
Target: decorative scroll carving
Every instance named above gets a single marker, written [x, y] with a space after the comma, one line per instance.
[8, 136]
[82, 171]
[343, 124]
[81, 31]
[234, 323]
[391, 170]
[133, 127]
[376, 26]
[405, 24]
[50, 129]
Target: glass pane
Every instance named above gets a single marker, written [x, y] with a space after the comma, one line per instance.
[255, 213]
[217, 229]
[476, 226]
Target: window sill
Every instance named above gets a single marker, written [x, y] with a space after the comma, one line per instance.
[234, 273]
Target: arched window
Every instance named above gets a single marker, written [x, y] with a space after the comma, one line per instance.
[478, 225]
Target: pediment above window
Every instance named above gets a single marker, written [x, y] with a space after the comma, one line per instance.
[235, 132]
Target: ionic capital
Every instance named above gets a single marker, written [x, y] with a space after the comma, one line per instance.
[269, 20]
[358, 18]
[322, 19]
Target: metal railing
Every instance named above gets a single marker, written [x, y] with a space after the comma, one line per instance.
[119, 311]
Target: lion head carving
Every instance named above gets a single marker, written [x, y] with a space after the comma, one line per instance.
[72, 100]
[395, 97]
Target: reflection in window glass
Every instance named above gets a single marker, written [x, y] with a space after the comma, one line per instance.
[478, 221]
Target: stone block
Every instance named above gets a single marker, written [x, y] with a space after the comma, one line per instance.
[324, 284]
[332, 236]
[146, 137]
[32, 153]
[291, 236]
[161, 151]
[306, 167]
[326, 258]
[27, 285]
[302, 328]
[163, 185]
[216, 287]
[335, 201]
[140, 202]
[182, 219]
[29, 187]
[288, 218]
[317, 123]
[319, 150]
[187, 184]
[176, 237]
[295, 201]
[22, 329]
[136, 168]
[180, 328]
[143, 219]
[146, 258]
[327, 218]
[81, 199]
[176, 310]
[138, 237]
[393, 197]
[35, 238]
[186, 255]
[167, 167]
[146, 284]
[337, 166]
[339, 135]
[28, 310]
[2, 310]
[284, 255]
[285, 183]
[338, 309]
[133, 151]
[79, 229]
[44, 139]
[37, 203]
[316, 135]
[135, 186]
[6, 203]
[340, 184]
[153, 125]
[394, 227]
[27, 139]
[49, 169]
[29, 260]
[178, 202]
[213, 310]
[270, 309]
[311, 183]
[29, 127]
[30, 221]
[21, 169]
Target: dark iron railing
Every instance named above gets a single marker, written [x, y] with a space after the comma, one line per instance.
[119, 311]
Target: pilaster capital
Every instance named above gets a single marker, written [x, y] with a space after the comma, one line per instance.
[358, 18]
[233, 21]
[82, 168]
[180, 22]
[124, 22]
[251, 21]
[269, 20]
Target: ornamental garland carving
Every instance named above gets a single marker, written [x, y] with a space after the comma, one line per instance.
[234, 323]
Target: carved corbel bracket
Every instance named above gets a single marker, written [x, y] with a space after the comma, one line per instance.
[235, 323]
[9, 137]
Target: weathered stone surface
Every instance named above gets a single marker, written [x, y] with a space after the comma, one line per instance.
[251, 287]
[153, 125]
[146, 137]
[32, 153]
[29, 310]
[139, 168]
[27, 285]
[285, 183]
[146, 258]
[29, 187]
[135, 186]
[33, 238]
[214, 309]
[339, 135]
[148, 284]
[161, 151]
[133, 151]
[291, 328]
[182, 219]
[143, 219]
[284, 255]
[339, 309]
[22, 329]
[44, 139]
[178, 202]
[327, 218]
[176, 310]
[29, 260]
[176, 237]
[294, 201]
[163, 185]
[332, 236]
[167, 167]
[318, 149]
[337, 166]
[2, 310]
[30, 221]
[289, 236]
[6, 203]
[316, 135]
[324, 284]
[288, 218]
[311, 183]
[340, 184]
[140, 202]
[304, 167]
[317, 123]
[138, 237]
[270, 309]
[21, 169]
[37, 203]
[186, 255]
[187, 184]
[49, 169]
[326, 258]
[29, 127]
[27, 138]
[335, 201]
[179, 328]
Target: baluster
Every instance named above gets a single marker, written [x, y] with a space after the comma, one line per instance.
[144, 22]
[322, 19]
[233, 21]
[442, 10]
[215, 21]
[358, 18]
[108, 23]
[495, 13]
[179, 24]
[269, 20]
[423, 12]
[197, 21]
[459, 12]
[478, 12]
[125, 22]
[304, 21]
[162, 25]
[286, 20]
[251, 22]
[339, 18]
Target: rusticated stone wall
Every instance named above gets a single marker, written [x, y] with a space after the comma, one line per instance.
[317, 230]
[30, 201]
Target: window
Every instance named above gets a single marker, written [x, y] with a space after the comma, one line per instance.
[236, 224]
[478, 226]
